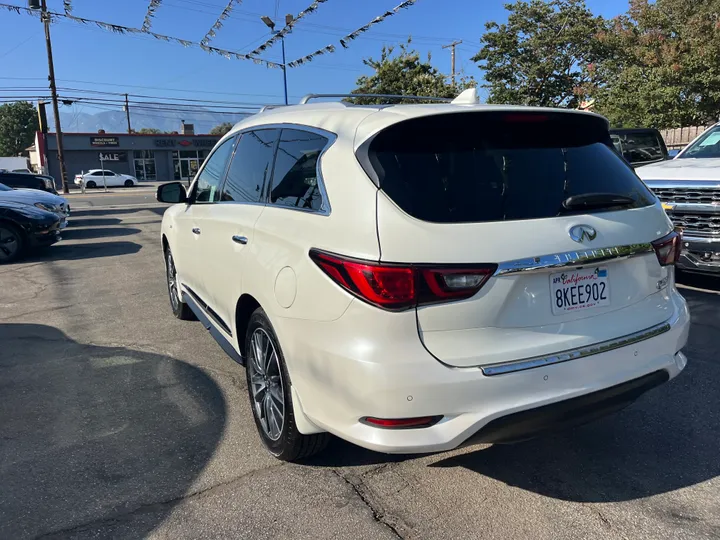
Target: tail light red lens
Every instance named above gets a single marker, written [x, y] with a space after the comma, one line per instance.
[401, 423]
[668, 248]
[396, 286]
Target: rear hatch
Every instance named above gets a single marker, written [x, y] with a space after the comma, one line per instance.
[521, 194]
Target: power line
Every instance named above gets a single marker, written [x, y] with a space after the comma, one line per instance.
[119, 29]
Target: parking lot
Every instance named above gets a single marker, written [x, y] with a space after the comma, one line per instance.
[117, 420]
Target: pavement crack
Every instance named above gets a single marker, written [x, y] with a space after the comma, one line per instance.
[363, 493]
[150, 507]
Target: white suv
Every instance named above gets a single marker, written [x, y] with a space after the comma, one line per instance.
[412, 278]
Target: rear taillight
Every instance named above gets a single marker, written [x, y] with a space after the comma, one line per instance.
[668, 248]
[398, 286]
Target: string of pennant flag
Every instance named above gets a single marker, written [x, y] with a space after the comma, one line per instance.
[147, 23]
[119, 29]
[352, 35]
[204, 43]
[288, 27]
[219, 22]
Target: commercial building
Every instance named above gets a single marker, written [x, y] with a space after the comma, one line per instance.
[148, 157]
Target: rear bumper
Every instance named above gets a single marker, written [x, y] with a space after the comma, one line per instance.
[701, 255]
[341, 375]
[565, 414]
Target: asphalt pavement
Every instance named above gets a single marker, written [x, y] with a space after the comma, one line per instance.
[119, 421]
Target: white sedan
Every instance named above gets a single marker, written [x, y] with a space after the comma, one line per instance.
[94, 178]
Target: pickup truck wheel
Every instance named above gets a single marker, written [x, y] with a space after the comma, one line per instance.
[268, 385]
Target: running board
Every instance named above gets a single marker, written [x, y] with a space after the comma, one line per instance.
[210, 327]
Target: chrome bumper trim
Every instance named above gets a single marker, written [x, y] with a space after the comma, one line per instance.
[572, 258]
[574, 354]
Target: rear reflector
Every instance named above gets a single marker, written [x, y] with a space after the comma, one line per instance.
[668, 248]
[401, 423]
[398, 286]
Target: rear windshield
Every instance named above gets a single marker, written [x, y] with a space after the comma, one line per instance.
[487, 166]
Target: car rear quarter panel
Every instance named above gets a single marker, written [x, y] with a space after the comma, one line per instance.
[285, 281]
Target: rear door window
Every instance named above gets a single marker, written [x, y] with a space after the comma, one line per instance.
[487, 166]
[295, 179]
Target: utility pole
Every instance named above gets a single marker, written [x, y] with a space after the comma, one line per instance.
[452, 46]
[45, 18]
[127, 113]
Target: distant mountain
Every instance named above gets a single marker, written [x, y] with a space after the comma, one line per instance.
[115, 121]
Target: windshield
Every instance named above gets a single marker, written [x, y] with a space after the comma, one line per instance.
[707, 146]
[3, 187]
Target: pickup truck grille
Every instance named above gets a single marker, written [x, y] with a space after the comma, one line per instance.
[707, 225]
[688, 196]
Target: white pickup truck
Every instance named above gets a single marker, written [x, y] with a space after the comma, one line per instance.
[689, 188]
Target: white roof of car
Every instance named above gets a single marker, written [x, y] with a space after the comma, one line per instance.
[349, 120]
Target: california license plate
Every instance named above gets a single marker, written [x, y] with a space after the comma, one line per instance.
[576, 290]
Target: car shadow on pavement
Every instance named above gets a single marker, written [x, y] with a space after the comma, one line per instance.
[665, 441]
[89, 212]
[91, 434]
[64, 252]
[100, 232]
[96, 222]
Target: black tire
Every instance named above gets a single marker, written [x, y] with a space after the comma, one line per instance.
[179, 308]
[288, 444]
[129, 183]
[12, 242]
[90, 184]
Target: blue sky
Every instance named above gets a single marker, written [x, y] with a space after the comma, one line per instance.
[125, 63]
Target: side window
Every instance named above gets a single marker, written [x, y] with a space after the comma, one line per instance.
[208, 183]
[250, 168]
[295, 181]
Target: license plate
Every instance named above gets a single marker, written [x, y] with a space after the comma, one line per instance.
[576, 290]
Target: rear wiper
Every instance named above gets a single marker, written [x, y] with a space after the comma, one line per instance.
[596, 200]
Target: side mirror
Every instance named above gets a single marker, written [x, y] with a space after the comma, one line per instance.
[172, 192]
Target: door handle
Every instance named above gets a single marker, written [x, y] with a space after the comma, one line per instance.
[196, 230]
[240, 239]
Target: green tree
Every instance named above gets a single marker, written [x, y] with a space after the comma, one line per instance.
[405, 74]
[18, 124]
[665, 67]
[221, 129]
[150, 131]
[541, 55]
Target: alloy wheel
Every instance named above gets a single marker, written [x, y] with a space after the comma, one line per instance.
[172, 281]
[266, 384]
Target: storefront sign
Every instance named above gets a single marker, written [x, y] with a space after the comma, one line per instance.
[113, 156]
[104, 141]
[185, 143]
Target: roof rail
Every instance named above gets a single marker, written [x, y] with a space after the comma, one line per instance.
[308, 97]
[266, 107]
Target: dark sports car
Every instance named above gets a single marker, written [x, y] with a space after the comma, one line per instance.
[24, 227]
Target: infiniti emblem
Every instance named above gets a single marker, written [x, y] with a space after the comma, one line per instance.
[580, 233]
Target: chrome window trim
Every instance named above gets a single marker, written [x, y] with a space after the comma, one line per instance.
[577, 353]
[326, 208]
[572, 258]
